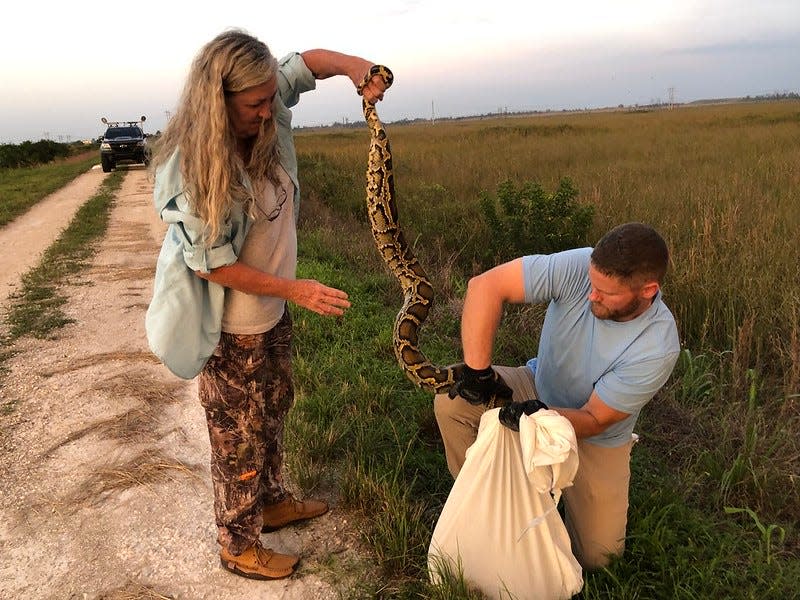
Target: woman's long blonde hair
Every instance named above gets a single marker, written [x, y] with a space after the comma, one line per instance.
[200, 128]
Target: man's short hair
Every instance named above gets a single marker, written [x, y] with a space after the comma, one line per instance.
[633, 252]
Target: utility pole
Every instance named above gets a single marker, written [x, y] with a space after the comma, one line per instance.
[433, 114]
[671, 92]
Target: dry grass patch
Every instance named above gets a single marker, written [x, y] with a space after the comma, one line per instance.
[136, 424]
[134, 591]
[142, 386]
[137, 305]
[115, 273]
[149, 467]
[102, 358]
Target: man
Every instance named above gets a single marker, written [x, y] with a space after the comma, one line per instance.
[608, 344]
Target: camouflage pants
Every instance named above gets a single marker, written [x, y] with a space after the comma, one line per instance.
[246, 389]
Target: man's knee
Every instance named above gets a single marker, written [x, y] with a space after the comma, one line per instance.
[443, 407]
[596, 556]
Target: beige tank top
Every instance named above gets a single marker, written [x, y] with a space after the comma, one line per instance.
[270, 246]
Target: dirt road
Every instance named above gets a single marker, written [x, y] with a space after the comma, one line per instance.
[104, 483]
[42, 224]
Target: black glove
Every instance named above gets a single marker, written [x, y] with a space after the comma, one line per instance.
[480, 386]
[510, 413]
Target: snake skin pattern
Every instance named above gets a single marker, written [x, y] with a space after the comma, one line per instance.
[417, 289]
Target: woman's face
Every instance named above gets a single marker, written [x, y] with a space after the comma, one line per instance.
[251, 107]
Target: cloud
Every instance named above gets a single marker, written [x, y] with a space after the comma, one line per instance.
[740, 46]
[462, 58]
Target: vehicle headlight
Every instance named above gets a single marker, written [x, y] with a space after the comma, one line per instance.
[105, 146]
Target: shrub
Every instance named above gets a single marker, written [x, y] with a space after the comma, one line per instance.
[29, 154]
[527, 220]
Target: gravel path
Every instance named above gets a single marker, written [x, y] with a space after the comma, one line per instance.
[104, 484]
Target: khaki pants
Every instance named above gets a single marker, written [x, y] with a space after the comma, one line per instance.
[596, 505]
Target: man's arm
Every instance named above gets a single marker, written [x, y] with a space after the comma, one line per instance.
[327, 63]
[483, 309]
[592, 418]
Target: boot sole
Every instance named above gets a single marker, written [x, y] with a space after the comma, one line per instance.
[271, 528]
[233, 569]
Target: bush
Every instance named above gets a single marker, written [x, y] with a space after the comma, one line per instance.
[29, 154]
[528, 220]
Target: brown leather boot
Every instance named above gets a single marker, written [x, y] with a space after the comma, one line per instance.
[290, 511]
[258, 562]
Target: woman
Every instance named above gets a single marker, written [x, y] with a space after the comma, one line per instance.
[226, 182]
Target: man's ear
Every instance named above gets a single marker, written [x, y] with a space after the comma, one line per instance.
[649, 290]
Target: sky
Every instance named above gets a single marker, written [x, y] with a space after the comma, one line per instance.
[65, 65]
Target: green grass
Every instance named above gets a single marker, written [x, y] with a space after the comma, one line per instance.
[360, 427]
[676, 550]
[722, 183]
[715, 493]
[22, 188]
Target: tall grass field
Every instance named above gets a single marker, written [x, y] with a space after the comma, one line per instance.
[715, 491]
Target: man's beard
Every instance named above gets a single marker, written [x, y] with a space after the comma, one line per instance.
[620, 314]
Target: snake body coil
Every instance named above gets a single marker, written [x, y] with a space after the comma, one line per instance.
[398, 256]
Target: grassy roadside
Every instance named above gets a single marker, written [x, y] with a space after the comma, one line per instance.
[36, 308]
[22, 188]
[715, 499]
[361, 427]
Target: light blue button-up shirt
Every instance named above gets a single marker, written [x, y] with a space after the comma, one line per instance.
[183, 321]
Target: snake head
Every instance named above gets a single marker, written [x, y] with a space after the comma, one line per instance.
[384, 73]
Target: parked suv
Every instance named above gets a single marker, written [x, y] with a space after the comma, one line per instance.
[123, 141]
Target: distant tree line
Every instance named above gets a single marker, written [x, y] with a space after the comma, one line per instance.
[30, 154]
[777, 96]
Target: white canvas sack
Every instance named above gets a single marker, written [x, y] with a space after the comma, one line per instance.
[500, 525]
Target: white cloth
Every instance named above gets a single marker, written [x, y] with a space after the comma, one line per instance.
[500, 526]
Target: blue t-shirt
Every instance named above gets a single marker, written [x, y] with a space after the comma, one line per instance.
[626, 363]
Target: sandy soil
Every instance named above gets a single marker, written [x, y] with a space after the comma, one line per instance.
[104, 483]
